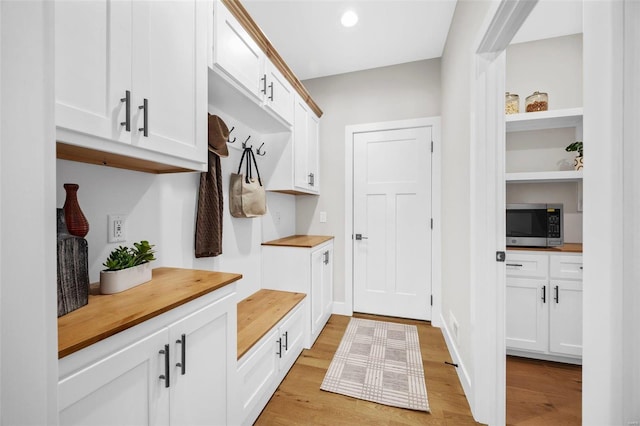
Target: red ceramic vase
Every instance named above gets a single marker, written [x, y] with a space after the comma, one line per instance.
[77, 223]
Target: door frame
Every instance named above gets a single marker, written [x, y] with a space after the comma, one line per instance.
[346, 308]
[486, 388]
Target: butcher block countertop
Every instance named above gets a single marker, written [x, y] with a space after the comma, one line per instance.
[307, 241]
[106, 315]
[566, 248]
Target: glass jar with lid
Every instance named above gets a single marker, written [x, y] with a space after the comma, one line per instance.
[511, 103]
[538, 101]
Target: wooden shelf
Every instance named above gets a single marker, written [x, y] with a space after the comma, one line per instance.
[536, 177]
[553, 119]
[305, 241]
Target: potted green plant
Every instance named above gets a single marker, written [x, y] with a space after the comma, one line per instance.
[127, 267]
[576, 147]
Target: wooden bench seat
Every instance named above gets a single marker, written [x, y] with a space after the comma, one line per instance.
[260, 312]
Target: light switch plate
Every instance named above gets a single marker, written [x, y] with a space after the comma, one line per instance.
[323, 217]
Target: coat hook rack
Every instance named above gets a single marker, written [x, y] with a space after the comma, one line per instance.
[260, 152]
[234, 138]
[244, 144]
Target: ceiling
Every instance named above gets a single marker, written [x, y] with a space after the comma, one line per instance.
[309, 36]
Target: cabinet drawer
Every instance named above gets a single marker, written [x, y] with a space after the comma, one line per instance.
[527, 265]
[566, 267]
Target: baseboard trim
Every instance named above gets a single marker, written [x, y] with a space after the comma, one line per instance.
[341, 308]
[545, 357]
[463, 375]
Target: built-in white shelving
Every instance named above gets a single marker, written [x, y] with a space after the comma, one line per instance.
[536, 177]
[553, 119]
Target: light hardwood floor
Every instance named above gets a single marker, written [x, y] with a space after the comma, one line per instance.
[299, 400]
[538, 392]
[543, 393]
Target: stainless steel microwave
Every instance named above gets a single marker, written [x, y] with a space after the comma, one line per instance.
[535, 225]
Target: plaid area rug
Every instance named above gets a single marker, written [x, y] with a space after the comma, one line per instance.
[379, 362]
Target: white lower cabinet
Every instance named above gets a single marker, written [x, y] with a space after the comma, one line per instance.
[544, 305]
[261, 370]
[306, 270]
[179, 370]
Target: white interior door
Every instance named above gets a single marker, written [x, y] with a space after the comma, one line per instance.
[392, 222]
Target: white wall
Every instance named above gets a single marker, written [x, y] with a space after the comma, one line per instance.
[552, 65]
[162, 210]
[457, 67]
[28, 333]
[397, 92]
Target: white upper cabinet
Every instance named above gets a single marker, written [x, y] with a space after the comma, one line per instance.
[93, 67]
[239, 61]
[169, 73]
[305, 138]
[279, 94]
[131, 79]
[236, 54]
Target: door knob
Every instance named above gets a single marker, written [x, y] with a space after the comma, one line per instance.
[360, 237]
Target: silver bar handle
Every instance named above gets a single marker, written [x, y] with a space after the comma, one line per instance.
[183, 351]
[127, 106]
[145, 115]
[165, 376]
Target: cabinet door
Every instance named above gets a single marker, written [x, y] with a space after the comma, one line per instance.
[280, 94]
[527, 314]
[565, 328]
[122, 389]
[527, 265]
[169, 72]
[200, 366]
[565, 267]
[301, 176]
[313, 160]
[93, 66]
[327, 286]
[237, 54]
[316, 301]
[257, 372]
[292, 335]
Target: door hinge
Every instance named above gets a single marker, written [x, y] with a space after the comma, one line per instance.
[432, 300]
[500, 256]
[431, 223]
[432, 147]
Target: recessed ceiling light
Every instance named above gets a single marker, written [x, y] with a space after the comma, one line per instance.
[349, 18]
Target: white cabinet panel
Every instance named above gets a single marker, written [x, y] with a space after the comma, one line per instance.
[93, 66]
[566, 267]
[527, 314]
[565, 332]
[200, 368]
[123, 388]
[111, 57]
[169, 71]
[257, 371]
[237, 54]
[527, 265]
[279, 94]
[544, 304]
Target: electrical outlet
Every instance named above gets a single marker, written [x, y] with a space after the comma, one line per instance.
[323, 217]
[454, 326]
[276, 216]
[116, 228]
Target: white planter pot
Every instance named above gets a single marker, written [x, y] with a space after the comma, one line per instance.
[116, 281]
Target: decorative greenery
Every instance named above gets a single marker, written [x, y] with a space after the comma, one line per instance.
[576, 146]
[126, 257]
